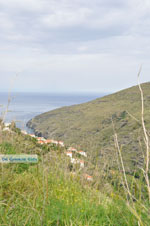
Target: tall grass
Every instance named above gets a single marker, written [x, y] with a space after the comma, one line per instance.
[52, 193]
[49, 194]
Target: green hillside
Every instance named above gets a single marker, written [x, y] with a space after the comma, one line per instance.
[89, 125]
[49, 193]
[55, 191]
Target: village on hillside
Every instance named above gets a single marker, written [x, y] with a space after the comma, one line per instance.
[70, 152]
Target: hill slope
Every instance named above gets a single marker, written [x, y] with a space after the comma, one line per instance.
[48, 193]
[89, 125]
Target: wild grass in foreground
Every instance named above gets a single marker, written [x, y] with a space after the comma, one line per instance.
[53, 193]
[49, 194]
[49, 197]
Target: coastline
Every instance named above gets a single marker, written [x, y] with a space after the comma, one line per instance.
[34, 131]
[24, 107]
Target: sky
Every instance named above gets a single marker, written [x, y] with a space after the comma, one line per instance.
[73, 45]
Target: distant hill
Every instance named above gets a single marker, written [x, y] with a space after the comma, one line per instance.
[89, 125]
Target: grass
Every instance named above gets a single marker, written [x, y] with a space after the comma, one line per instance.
[53, 193]
[66, 203]
[47, 193]
[88, 126]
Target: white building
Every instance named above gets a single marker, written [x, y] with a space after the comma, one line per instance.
[6, 129]
[24, 132]
[41, 138]
[81, 163]
[7, 124]
[68, 153]
[74, 161]
[32, 135]
[88, 177]
[61, 143]
[72, 149]
[82, 153]
[55, 142]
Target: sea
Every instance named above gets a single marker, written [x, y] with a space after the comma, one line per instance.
[24, 106]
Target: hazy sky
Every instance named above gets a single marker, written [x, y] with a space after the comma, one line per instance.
[73, 45]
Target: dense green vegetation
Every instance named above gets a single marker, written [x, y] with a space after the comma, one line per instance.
[52, 192]
[48, 193]
[89, 125]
